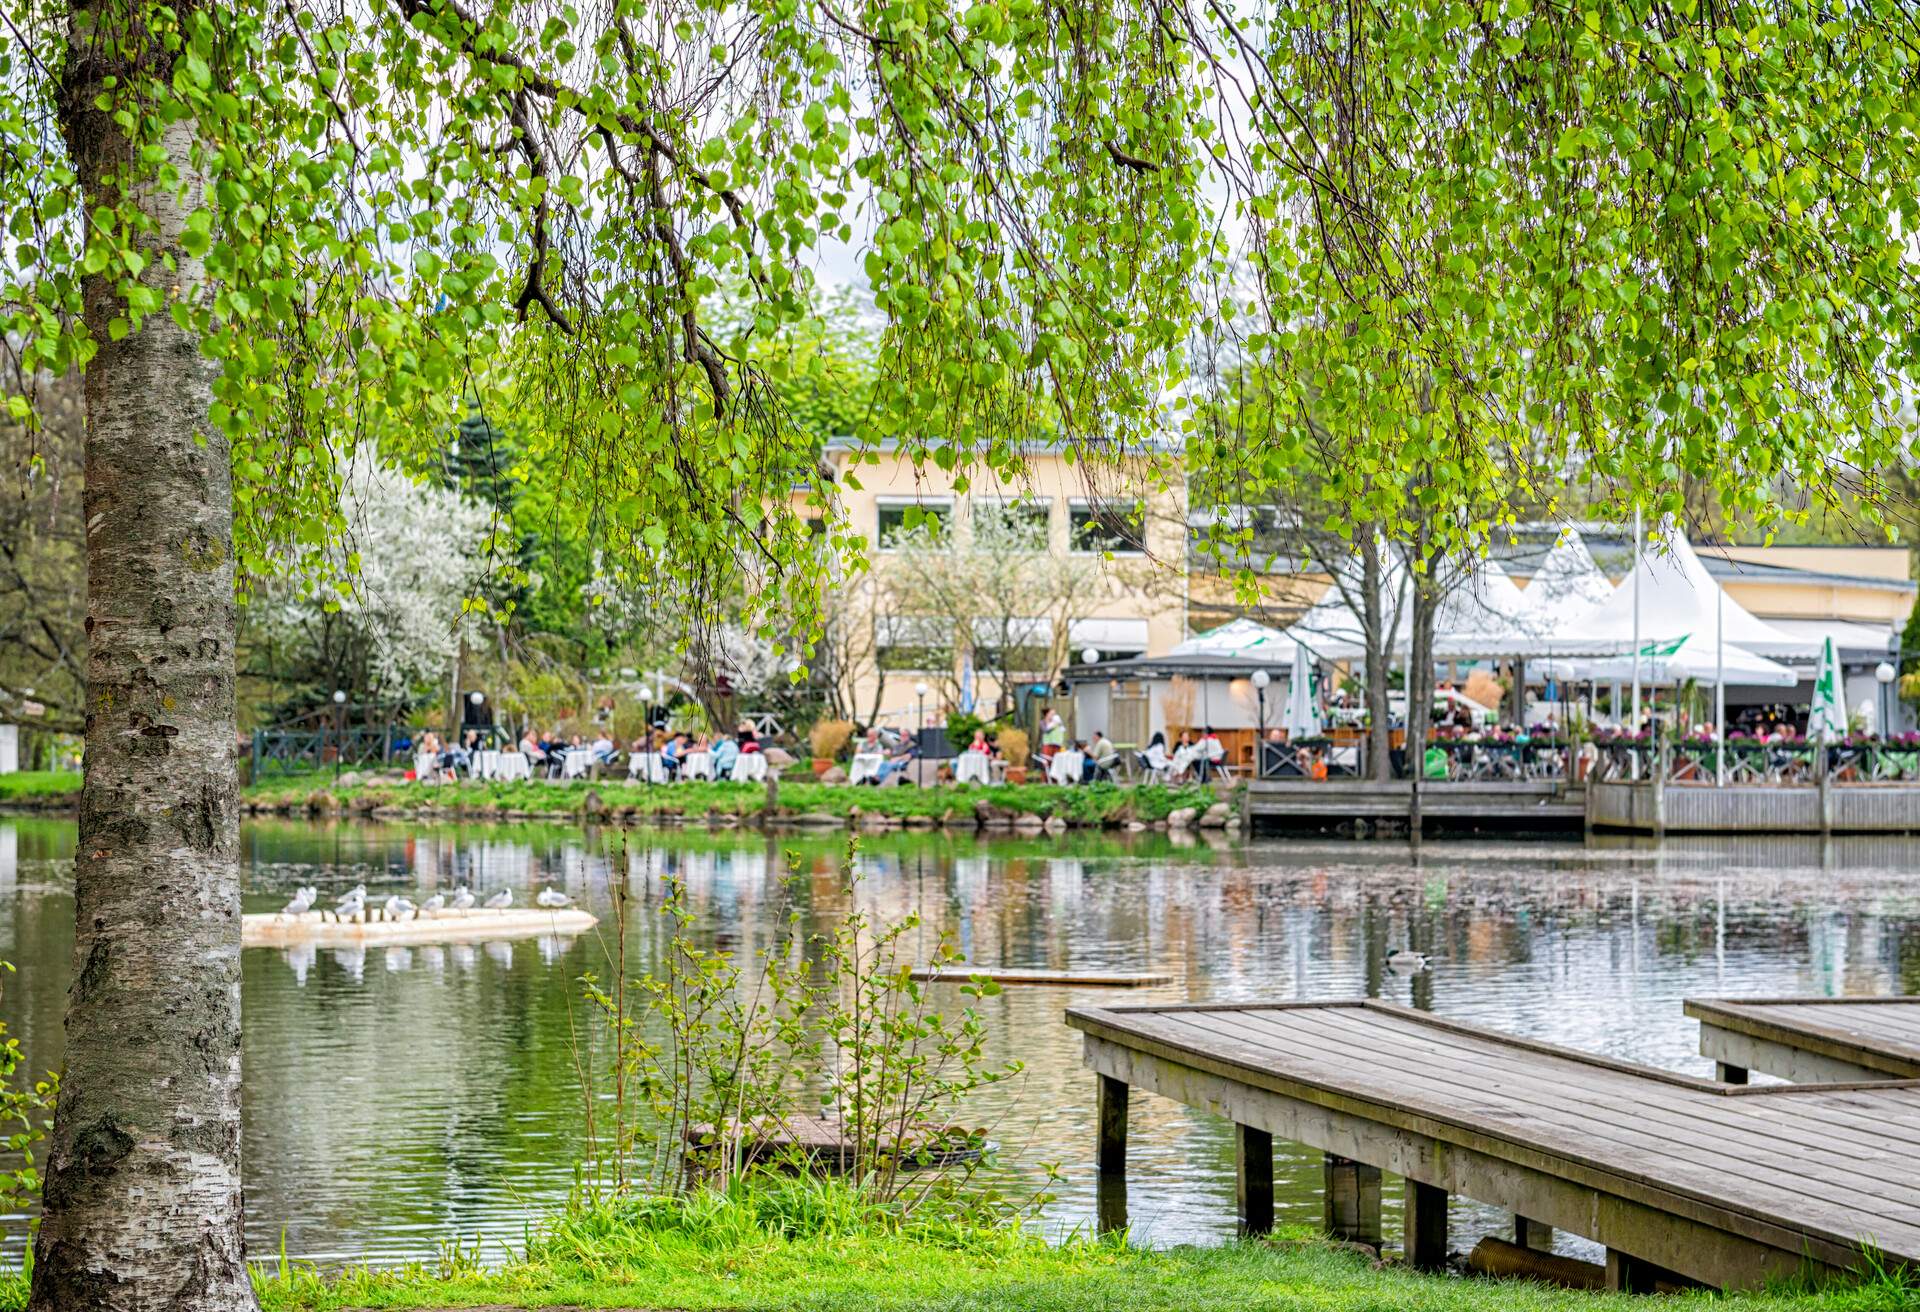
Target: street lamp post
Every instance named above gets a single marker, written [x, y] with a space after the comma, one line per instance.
[1884, 674]
[1260, 681]
[920, 721]
[339, 731]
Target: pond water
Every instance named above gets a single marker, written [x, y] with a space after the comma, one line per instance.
[398, 1099]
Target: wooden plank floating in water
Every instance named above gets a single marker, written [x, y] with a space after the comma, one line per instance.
[961, 973]
[1680, 1178]
[477, 924]
[1809, 1040]
[823, 1142]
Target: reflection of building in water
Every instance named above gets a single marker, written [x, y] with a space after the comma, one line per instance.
[499, 865]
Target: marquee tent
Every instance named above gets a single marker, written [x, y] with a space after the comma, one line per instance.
[1567, 586]
[1678, 599]
[1668, 662]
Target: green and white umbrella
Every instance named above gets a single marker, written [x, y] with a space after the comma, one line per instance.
[1828, 719]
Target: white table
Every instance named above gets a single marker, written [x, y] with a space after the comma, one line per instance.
[697, 765]
[577, 762]
[1067, 766]
[647, 766]
[512, 765]
[750, 767]
[483, 764]
[865, 766]
[972, 768]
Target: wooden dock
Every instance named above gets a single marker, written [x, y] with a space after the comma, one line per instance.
[1543, 804]
[1702, 808]
[1810, 1040]
[1681, 1179]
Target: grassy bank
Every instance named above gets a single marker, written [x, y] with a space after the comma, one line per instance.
[965, 807]
[735, 1253]
[39, 788]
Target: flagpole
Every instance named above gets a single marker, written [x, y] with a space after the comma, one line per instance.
[1633, 725]
[1720, 685]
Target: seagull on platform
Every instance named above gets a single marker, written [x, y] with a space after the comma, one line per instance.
[553, 898]
[1405, 961]
[500, 901]
[299, 906]
[462, 898]
[397, 908]
[433, 905]
[352, 904]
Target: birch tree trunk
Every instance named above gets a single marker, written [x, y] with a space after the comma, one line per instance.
[142, 1195]
[1378, 635]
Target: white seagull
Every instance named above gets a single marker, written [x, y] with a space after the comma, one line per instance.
[352, 904]
[300, 905]
[554, 898]
[433, 904]
[397, 908]
[462, 898]
[500, 901]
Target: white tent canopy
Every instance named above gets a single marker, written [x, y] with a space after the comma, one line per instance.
[1240, 639]
[1667, 662]
[1678, 599]
[1567, 586]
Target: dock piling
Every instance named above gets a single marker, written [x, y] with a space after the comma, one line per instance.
[1352, 1200]
[1532, 1234]
[1426, 1237]
[1727, 1073]
[1253, 1179]
[1111, 1155]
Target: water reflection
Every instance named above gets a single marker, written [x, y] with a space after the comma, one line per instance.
[434, 1094]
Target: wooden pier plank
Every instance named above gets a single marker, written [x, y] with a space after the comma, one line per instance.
[1707, 1149]
[1813, 1039]
[1672, 1145]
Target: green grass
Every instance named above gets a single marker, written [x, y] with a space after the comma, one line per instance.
[1096, 804]
[736, 1253]
[38, 785]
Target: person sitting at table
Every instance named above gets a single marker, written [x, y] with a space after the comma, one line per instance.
[870, 744]
[1212, 753]
[896, 763]
[672, 752]
[1185, 753]
[530, 747]
[1155, 756]
[749, 740]
[725, 753]
[603, 748]
[1101, 757]
[980, 743]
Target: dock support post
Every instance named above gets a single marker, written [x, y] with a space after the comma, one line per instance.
[1627, 1274]
[1532, 1234]
[1352, 1200]
[1253, 1179]
[1426, 1239]
[1111, 1156]
[1729, 1074]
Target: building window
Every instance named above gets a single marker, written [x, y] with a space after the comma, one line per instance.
[913, 644]
[1027, 522]
[1118, 527]
[902, 517]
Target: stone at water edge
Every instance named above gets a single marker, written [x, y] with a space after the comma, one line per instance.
[1028, 822]
[1136, 827]
[1182, 818]
[1056, 825]
[833, 774]
[1216, 816]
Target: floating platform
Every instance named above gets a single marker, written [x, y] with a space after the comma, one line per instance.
[1703, 808]
[962, 972]
[822, 1143]
[1808, 1040]
[1681, 1179]
[475, 925]
[1529, 804]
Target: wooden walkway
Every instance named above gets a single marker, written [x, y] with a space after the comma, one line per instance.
[1722, 1184]
[1530, 804]
[1810, 1040]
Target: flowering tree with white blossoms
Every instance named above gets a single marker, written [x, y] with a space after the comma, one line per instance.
[386, 618]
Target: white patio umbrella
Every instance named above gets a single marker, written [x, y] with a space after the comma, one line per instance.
[1828, 719]
[1303, 716]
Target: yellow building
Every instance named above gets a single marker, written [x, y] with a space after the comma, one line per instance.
[1105, 575]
